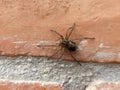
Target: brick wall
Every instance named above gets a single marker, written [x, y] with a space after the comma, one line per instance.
[26, 24]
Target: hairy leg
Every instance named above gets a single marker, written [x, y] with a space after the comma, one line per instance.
[69, 31]
[74, 58]
[57, 51]
[57, 34]
[83, 38]
[61, 53]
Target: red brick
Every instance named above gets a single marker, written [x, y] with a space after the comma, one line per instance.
[28, 85]
[105, 86]
[27, 23]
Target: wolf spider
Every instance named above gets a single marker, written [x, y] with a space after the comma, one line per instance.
[66, 44]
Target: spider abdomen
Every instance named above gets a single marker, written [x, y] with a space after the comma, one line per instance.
[70, 45]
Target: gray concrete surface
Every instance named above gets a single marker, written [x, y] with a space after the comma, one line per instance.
[70, 75]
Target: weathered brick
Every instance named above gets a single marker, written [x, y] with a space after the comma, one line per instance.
[27, 23]
[28, 85]
[104, 86]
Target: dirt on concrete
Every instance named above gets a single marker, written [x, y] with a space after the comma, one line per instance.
[70, 75]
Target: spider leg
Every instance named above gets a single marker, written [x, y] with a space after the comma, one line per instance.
[83, 38]
[61, 53]
[74, 58]
[46, 46]
[68, 34]
[55, 52]
[57, 33]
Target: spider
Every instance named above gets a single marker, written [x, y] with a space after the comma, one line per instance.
[66, 44]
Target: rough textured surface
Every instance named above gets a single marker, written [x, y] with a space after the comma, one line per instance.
[105, 86]
[27, 23]
[70, 75]
[28, 85]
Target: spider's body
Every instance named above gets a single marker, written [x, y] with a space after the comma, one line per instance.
[68, 44]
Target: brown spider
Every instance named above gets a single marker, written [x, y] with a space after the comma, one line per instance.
[66, 43]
